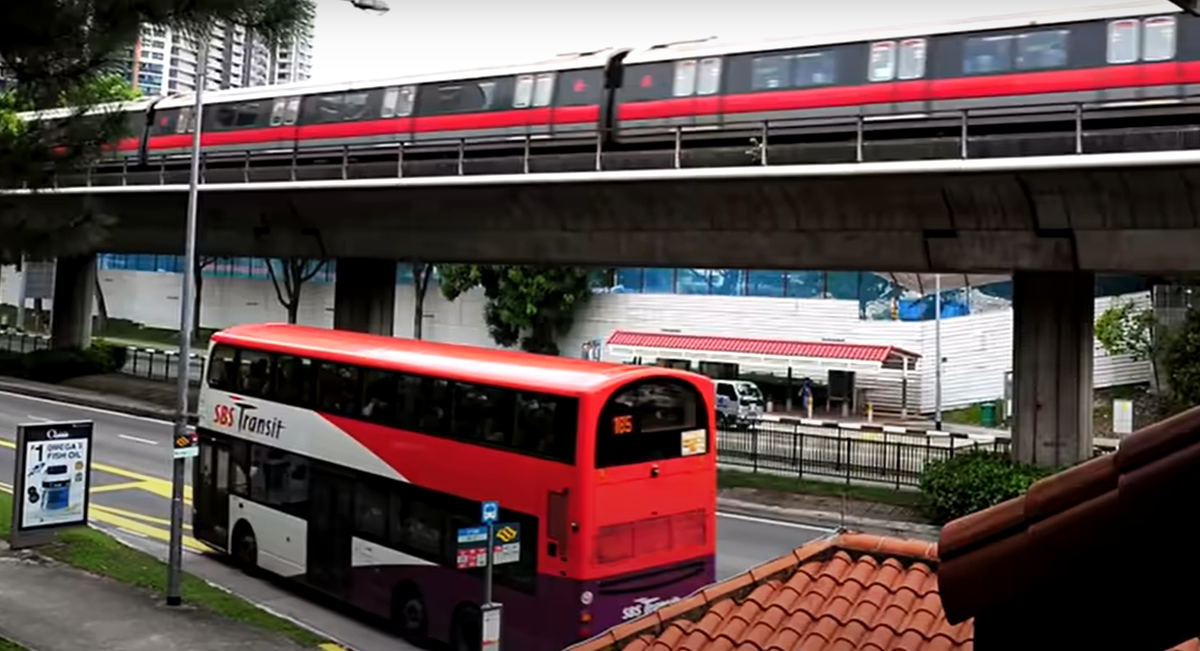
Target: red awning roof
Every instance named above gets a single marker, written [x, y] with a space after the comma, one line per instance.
[764, 347]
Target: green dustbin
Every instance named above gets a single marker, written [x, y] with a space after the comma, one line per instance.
[987, 414]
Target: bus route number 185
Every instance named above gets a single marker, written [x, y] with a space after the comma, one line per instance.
[622, 425]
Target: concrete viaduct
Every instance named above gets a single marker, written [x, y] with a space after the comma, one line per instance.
[1051, 221]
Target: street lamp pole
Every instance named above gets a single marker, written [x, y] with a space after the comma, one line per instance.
[186, 315]
[937, 351]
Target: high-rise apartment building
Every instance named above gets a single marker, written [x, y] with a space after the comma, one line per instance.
[163, 61]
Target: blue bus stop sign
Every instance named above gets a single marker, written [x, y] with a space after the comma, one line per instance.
[491, 511]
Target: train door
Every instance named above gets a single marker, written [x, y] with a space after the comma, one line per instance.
[898, 67]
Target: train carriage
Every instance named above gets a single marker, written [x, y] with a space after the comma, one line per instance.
[1134, 55]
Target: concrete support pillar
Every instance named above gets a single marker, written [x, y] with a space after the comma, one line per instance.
[74, 293]
[1053, 318]
[364, 296]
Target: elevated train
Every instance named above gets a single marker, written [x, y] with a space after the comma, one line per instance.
[1105, 56]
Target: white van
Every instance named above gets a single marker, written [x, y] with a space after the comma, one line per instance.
[739, 403]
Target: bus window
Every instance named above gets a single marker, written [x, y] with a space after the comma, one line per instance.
[370, 511]
[222, 368]
[379, 396]
[337, 389]
[294, 380]
[652, 420]
[433, 407]
[254, 374]
[546, 426]
[482, 414]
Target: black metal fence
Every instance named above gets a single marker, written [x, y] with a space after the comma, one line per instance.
[147, 363]
[795, 449]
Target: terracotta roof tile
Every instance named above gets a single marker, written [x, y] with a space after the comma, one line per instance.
[1042, 547]
[845, 593]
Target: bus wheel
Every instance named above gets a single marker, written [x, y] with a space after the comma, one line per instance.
[245, 548]
[408, 613]
[467, 634]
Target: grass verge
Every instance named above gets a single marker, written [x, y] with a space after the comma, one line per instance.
[763, 481]
[94, 551]
[5, 645]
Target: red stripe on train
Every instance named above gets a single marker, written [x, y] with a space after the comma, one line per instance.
[1031, 83]
[566, 115]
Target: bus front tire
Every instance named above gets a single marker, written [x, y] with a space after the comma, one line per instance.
[409, 614]
[466, 632]
[245, 548]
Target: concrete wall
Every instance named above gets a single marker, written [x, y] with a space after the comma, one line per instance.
[977, 348]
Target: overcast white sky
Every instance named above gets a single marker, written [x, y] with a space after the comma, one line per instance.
[419, 36]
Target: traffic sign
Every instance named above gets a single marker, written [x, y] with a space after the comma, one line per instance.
[491, 511]
[187, 446]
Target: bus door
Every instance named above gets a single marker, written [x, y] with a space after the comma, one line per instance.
[330, 526]
[210, 518]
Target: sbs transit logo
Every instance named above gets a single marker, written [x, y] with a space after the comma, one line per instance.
[240, 417]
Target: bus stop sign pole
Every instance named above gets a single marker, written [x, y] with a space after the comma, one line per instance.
[490, 612]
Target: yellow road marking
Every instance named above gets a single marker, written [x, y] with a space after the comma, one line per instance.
[163, 535]
[136, 516]
[100, 515]
[160, 487]
[117, 487]
[330, 646]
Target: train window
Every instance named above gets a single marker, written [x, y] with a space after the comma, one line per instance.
[1042, 50]
[390, 97]
[1123, 41]
[323, 109]
[579, 87]
[277, 112]
[462, 97]
[984, 55]
[710, 76]
[293, 111]
[912, 58]
[182, 125]
[882, 66]
[770, 72]
[356, 106]
[543, 92]
[523, 94]
[685, 78]
[407, 95]
[1158, 39]
[814, 69]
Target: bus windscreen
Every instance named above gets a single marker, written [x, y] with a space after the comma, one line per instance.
[651, 420]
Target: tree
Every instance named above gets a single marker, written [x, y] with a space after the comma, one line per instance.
[422, 272]
[43, 235]
[289, 281]
[526, 305]
[1123, 329]
[1181, 358]
[66, 54]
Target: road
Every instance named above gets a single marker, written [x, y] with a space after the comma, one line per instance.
[131, 499]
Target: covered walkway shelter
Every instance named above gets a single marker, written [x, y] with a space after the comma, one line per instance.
[880, 371]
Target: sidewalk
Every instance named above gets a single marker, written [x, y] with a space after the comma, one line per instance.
[46, 606]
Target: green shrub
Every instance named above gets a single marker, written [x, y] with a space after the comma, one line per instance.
[973, 481]
[111, 356]
[54, 366]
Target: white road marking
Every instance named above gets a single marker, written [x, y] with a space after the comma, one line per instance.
[96, 410]
[775, 523]
[37, 419]
[136, 439]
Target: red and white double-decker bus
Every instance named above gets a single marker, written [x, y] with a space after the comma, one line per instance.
[349, 462]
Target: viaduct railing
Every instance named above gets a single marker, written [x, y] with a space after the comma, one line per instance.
[1031, 131]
